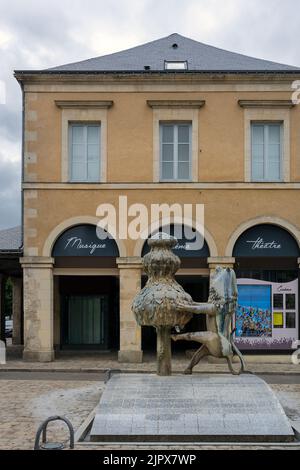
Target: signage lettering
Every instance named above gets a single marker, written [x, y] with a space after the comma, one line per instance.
[284, 289]
[260, 244]
[75, 242]
[180, 246]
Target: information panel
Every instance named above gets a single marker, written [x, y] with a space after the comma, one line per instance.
[266, 315]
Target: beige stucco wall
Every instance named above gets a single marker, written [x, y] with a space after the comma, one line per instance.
[130, 135]
[221, 156]
[219, 183]
[225, 210]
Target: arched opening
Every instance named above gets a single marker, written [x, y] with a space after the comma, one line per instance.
[86, 290]
[193, 276]
[267, 317]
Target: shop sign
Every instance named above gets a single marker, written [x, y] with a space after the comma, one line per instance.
[266, 241]
[82, 240]
[184, 248]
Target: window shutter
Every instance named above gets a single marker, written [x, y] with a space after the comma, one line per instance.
[84, 153]
[258, 139]
[93, 153]
[274, 152]
[266, 151]
[78, 153]
[183, 132]
[175, 152]
[167, 152]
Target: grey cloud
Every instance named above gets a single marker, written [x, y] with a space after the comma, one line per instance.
[49, 33]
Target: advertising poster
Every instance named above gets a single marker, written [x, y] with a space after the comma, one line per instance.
[266, 315]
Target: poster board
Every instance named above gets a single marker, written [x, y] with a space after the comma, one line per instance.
[266, 315]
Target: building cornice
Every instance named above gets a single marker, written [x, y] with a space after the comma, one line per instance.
[266, 104]
[162, 186]
[83, 104]
[43, 77]
[176, 104]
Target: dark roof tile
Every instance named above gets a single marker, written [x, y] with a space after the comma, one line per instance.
[10, 239]
[200, 58]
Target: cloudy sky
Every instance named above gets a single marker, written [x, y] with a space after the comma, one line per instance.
[37, 34]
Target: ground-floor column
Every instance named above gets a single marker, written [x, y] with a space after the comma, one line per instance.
[17, 310]
[130, 333]
[38, 308]
[223, 262]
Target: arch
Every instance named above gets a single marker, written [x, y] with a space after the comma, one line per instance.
[80, 220]
[176, 220]
[292, 229]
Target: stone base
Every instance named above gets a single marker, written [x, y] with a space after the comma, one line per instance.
[14, 351]
[38, 356]
[199, 408]
[133, 357]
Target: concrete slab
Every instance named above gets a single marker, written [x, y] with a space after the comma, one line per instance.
[198, 408]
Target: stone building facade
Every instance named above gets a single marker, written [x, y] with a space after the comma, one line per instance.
[171, 121]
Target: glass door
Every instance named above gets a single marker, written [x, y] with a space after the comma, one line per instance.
[85, 321]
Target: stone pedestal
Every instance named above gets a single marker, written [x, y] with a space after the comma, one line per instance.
[199, 408]
[38, 308]
[130, 332]
[17, 310]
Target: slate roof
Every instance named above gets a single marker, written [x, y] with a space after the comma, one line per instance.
[200, 58]
[10, 239]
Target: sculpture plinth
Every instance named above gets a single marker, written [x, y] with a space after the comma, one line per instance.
[157, 303]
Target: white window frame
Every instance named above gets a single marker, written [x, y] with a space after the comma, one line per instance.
[175, 125]
[176, 115]
[84, 116]
[175, 65]
[267, 115]
[266, 125]
[85, 125]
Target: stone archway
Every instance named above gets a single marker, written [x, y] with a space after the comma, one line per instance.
[192, 224]
[292, 229]
[68, 223]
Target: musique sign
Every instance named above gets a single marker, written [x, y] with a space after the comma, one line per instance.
[82, 240]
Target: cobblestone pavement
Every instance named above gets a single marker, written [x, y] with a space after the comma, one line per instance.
[109, 361]
[24, 404]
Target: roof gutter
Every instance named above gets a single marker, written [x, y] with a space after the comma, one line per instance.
[11, 252]
[152, 72]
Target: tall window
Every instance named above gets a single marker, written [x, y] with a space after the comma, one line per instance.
[266, 151]
[175, 152]
[85, 152]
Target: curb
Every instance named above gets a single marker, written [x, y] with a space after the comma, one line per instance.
[138, 371]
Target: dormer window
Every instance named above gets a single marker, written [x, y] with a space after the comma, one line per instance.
[176, 65]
